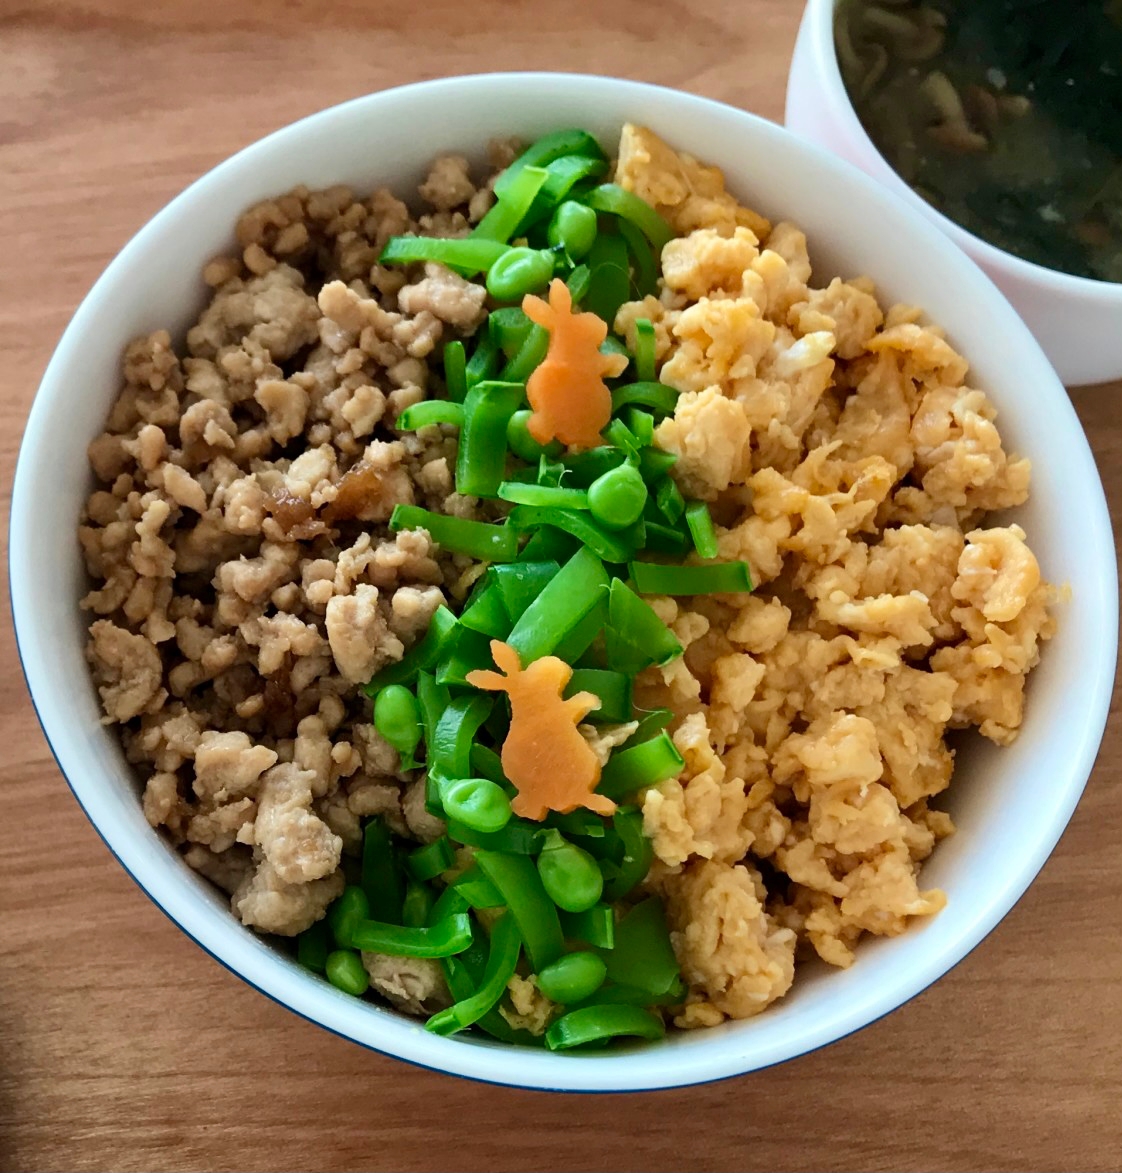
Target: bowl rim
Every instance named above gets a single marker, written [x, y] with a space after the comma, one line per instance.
[819, 17]
[311, 998]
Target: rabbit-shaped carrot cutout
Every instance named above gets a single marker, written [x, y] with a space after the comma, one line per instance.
[551, 765]
[567, 391]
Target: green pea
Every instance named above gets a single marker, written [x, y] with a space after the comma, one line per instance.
[397, 717]
[573, 978]
[518, 272]
[346, 972]
[416, 906]
[346, 912]
[617, 498]
[477, 803]
[573, 228]
[523, 445]
[569, 874]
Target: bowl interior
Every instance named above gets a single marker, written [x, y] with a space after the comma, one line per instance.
[1010, 805]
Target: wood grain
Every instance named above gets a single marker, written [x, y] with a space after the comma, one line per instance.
[122, 1046]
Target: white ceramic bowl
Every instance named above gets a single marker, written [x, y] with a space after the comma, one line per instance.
[1077, 321]
[1011, 806]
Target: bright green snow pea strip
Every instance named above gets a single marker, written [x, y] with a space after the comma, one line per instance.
[508, 328]
[477, 890]
[520, 583]
[562, 175]
[701, 529]
[616, 994]
[666, 539]
[654, 463]
[578, 282]
[596, 926]
[619, 434]
[581, 823]
[481, 458]
[429, 412]
[448, 904]
[653, 578]
[649, 724]
[568, 597]
[471, 650]
[450, 747]
[462, 982]
[543, 496]
[613, 689]
[610, 283]
[610, 197]
[506, 946]
[643, 956]
[469, 256]
[588, 466]
[535, 914]
[459, 535]
[623, 655]
[422, 655]
[455, 371]
[637, 854]
[640, 424]
[645, 355]
[644, 261]
[544, 151]
[487, 764]
[483, 364]
[350, 908]
[549, 545]
[600, 1024]
[530, 354]
[511, 206]
[426, 863]
[646, 764]
[449, 936]
[381, 875]
[583, 635]
[634, 620]
[487, 613]
[611, 547]
[432, 699]
[313, 945]
[670, 501]
[518, 837]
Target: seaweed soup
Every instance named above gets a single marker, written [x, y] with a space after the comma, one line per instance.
[1006, 115]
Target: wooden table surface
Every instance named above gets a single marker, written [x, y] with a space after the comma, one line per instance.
[122, 1046]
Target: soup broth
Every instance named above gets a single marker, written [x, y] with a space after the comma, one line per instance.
[1006, 115]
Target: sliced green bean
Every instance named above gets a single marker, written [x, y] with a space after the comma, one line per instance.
[568, 597]
[596, 927]
[428, 862]
[459, 535]
[469, 255]
[533, 911]
[446, 937]
[645, 349]
[653, 578]
[481, 457]
[634, 620]
[381, 873]
[611, 547]
[610, 197]
[502, 961]
[542, 496]
[612, 688]
[599, 1024]
[520, 583]
[646, 764]
[417, 906]
[313, 945]
[430, 412]
[422, 655]
[643, 956]
[346, 912]
[455, 371]
[704, 535]
[483, 364]
[511, 206]
[544, 151]
[450, 747]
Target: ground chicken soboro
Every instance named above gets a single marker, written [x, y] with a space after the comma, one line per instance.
[851, 464]
[245, 581]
